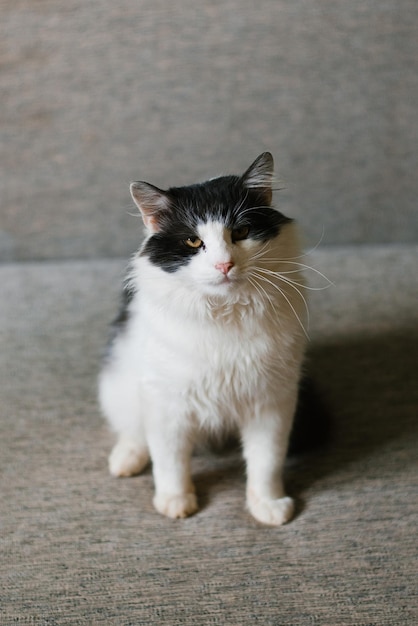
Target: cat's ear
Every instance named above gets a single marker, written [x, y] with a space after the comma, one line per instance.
[151, 201]
[259, 175]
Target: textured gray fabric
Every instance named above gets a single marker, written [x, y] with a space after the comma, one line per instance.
[98, 93]
[79, 547]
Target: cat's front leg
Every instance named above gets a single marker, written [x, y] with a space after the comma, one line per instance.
[129, 456]
[265, 440]
[171, 449]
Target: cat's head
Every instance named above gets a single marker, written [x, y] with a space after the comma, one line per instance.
[211, 233]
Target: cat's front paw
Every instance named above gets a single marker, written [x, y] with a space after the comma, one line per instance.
[175, 506]
[273, 512]
[127, 459]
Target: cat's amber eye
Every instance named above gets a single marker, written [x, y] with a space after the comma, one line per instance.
[238, 234]
[193, 242]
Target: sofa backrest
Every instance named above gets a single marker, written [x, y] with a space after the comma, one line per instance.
[100, 93]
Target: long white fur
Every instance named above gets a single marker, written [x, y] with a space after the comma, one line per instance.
[202, 353]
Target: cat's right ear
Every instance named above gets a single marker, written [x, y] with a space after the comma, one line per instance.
[152, 203]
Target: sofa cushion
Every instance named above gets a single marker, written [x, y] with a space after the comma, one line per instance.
[81, 547]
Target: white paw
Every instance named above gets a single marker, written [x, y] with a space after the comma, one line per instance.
[127, 459]
[274, 512]
[180, 505]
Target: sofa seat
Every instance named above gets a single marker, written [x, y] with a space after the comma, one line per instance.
[80, 547]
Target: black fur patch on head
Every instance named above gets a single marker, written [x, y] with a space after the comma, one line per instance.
[224, 199]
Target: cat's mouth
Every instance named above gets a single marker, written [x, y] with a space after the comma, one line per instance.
[226, 282]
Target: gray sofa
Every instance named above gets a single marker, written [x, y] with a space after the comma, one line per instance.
[97, 94]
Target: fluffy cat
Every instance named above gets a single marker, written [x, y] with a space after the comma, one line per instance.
[210, 338]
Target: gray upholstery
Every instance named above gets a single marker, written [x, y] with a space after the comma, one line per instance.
[96, 94]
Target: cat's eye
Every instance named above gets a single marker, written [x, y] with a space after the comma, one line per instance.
[238, 234]
[193, 242]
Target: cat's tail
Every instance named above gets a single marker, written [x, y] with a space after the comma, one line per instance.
[312, 425]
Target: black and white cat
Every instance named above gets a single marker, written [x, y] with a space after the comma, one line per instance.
[211, 338]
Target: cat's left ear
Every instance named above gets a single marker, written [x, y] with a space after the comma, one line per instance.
[152, 202]
[259, 175]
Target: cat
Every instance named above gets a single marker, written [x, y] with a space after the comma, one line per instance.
[210, 338]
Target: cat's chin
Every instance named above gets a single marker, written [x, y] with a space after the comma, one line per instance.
[222, 288]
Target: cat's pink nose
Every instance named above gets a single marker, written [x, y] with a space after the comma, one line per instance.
[224, 267]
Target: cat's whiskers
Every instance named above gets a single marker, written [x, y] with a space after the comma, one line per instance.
[272, 312]
[257, 274]
[263, 274]
[295, 282]
[254, 279]
[291, 283]
[262, 255]
[300, 266]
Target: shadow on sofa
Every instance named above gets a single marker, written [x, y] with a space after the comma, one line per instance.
[371, 391]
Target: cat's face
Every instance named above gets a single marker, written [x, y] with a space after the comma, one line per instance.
[211, 234]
